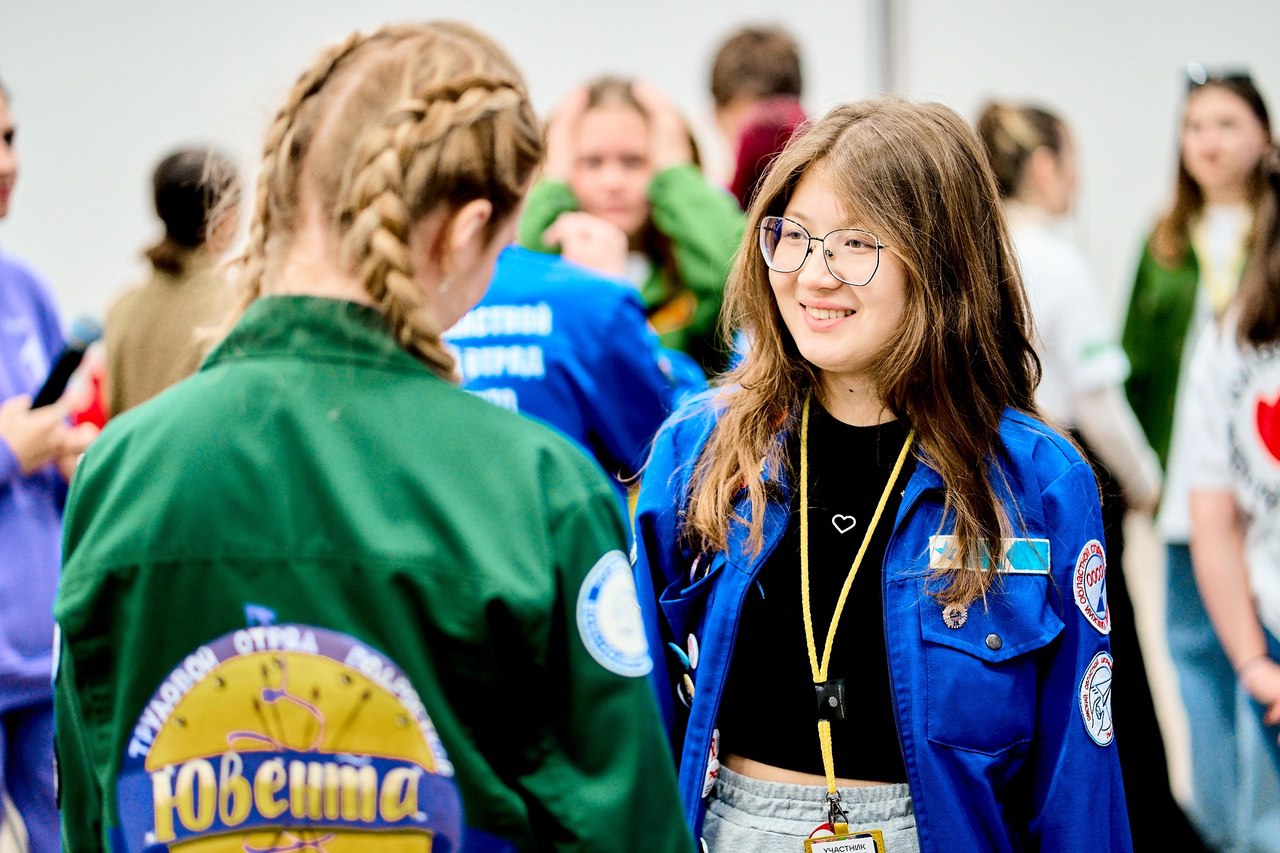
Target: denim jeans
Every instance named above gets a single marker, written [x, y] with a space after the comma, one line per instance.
[26, 772]
[1259, 820]
[1234, 789]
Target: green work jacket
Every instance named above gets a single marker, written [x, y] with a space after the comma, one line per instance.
[1161, 305]
[315, 595]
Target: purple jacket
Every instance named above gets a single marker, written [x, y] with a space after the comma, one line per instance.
[30, 506]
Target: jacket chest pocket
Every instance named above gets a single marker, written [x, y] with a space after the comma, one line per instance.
[685, 599]
[981, 665]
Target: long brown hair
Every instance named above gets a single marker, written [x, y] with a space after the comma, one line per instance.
[916, 175]
[1171, 239]
[1259, 295]
[380, 131]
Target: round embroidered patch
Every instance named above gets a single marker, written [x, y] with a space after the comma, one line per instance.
[1095, 699]
[1090, 586]
[286, 737]
[609, 617]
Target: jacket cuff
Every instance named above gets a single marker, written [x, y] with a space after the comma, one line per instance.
[547, 200]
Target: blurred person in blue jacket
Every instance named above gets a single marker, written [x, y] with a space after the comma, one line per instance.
[571, 347]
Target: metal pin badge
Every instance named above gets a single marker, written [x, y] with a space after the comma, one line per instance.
[679, 653]
[955, 615]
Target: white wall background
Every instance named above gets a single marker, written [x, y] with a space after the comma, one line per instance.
[101, 91]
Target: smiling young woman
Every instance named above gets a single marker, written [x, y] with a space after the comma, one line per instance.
[862, 553]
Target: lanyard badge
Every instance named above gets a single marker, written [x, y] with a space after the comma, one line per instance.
[871, 841]
[830, 692]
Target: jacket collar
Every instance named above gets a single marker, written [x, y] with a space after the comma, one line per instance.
[314, 328]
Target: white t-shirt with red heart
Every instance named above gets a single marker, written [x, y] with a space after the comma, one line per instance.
[1234, 436]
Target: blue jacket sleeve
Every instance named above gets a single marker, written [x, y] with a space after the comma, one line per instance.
[1078, 801]
[630, 370]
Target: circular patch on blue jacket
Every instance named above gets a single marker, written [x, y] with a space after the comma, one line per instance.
[1095, 699]
[609, 617]
[1089, 586]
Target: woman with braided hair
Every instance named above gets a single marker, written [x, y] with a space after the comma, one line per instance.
[289, 619]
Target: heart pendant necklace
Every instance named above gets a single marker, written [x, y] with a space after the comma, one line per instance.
[843, 523]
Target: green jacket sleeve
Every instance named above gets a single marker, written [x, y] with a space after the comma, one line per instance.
[705, 227]
[546, 201]
[607, 780]
[1155, 333]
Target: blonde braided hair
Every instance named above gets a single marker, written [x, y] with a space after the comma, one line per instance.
[275, 155]
[434, 118]
[419, 139]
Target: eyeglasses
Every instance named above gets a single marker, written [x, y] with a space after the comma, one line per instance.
[1198, 75]
[852, 255]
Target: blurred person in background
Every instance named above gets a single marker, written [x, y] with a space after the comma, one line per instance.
[622, 192]
[1032, 153]
[38, 449]
[768, 130]
[756, 85]
[1234, 429]
[571, 347]
[1188, 273]
[153, 331]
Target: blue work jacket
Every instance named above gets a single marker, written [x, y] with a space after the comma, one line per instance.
[1004, 721]
[572, 348]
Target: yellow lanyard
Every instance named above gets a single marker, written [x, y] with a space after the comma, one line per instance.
[820, 671]
[1221, 280]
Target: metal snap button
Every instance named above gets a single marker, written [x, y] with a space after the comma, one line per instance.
[994, 642]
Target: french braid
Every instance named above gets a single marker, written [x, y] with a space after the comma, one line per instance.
[446, 130]
[435, 118]
[276, 170]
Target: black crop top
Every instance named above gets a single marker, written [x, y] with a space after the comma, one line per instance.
[768, 711]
